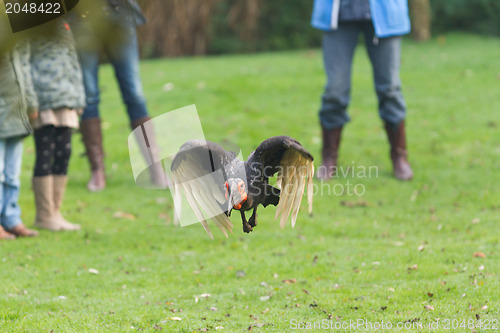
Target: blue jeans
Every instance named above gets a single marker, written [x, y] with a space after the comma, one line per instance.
[125, 60]
[384, 54]
[11, 153]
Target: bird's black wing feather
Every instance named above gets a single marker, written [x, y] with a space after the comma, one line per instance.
[294, 164]
[270, 153]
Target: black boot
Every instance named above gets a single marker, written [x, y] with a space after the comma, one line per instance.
[399, 155]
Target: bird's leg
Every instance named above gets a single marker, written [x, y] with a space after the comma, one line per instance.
[246, 227]
[253, 219]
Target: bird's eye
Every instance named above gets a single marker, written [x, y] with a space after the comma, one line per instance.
[227, 186]
[241, 186]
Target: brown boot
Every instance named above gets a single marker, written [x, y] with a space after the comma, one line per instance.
[92, 138]
[399, 155]
[43, 191]
[21, 231]
[151, 152]
[331, 142]
[5, 235]
[43, 188]
[60, 182]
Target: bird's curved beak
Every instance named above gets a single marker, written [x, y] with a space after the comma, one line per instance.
[230, 202]
[233, 199]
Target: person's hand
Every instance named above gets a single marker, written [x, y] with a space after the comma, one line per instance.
[33, 115]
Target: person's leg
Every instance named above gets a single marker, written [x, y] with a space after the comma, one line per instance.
[89, 62]
[3, 149]
[338, 51]
[62, 150]
[44, 148]
[42, 177]
[11, 214]
[125, 60]
[43, 181]
[385, 56]
[92, 139]
[90, 125]
[48, 141]
[3, 146]
[146, 137]
[62, 154]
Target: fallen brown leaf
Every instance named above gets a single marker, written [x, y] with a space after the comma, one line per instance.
[354, 203]
[257, 325]
[123, 215]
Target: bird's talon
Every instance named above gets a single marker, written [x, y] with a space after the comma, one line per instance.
[253, 220]
[247, 228]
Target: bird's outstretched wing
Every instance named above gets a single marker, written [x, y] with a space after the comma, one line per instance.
[199, 170]
[294, 164]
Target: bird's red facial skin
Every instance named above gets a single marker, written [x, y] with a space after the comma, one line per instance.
[241, 191]
[243, 195]
[226, 188]
[243, 199]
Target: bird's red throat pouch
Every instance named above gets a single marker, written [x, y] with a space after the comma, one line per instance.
[243, 199]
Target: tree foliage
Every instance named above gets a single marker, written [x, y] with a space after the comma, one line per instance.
[478, 16]
[195, 27]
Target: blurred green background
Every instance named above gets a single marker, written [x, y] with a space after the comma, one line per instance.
[196, 27]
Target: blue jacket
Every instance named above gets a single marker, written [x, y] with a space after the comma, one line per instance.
[390, 17]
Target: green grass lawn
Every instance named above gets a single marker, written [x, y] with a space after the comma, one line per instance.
[354, 259]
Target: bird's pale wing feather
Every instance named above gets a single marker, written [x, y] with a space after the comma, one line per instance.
[296, 170]
[194, 206]
[310, 188]
[202, 190]
[299, 194]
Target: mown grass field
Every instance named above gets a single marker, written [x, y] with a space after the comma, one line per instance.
[425, 251]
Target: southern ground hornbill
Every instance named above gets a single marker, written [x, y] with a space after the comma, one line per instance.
[215, 182]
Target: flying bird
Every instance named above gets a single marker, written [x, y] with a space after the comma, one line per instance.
[215, 182]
